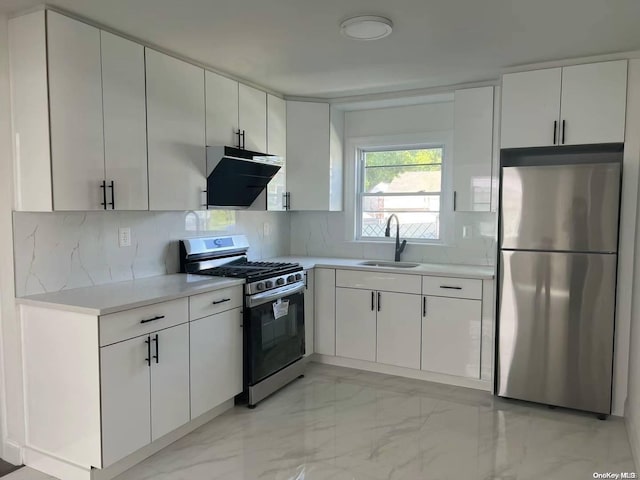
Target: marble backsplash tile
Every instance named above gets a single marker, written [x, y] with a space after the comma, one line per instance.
[55, 251]
[324, 234]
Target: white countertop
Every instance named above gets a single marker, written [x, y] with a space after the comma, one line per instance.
[116, 297]
[434, 269]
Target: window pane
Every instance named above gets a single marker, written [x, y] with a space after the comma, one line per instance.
[403, 203]
[403, 179]
[418, 225]
[403, 170]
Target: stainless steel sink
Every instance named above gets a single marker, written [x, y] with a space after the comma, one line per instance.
[377, 263]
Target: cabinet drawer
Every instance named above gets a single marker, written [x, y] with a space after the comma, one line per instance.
[116, 327]
[206, 304]
[452, 287]
[387, 282]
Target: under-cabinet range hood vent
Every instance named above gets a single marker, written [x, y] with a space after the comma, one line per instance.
[236, 177]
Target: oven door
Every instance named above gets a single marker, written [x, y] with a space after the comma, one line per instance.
[274, 329]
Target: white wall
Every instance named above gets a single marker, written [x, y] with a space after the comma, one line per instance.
[330, 234]
[11, 386]
[632, 331]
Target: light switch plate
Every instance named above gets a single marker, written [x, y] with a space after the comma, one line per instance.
[124, 237]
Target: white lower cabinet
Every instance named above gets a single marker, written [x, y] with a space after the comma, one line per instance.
[398, 332]
[126, 392]
[324, 340]
[169, 380]
[309, 299]
[144, 385]
[356, 324]
[216, 360]
[451, 336]
[377, 326]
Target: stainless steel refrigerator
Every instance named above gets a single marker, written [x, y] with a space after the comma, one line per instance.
[559, 216]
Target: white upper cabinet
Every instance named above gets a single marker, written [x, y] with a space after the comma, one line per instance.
[75, 108]
[90, 129]
[594, 99]
[176, 133]
[277, 145]
[573, 105]
[530, 108]
[125, 122]
[314, 156]
[473, 149]
[222, 110]
[252, 117]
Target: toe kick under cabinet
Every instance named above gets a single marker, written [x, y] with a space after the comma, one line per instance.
[100, 388]
[439, 325]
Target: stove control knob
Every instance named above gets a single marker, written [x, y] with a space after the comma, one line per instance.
[298, 276]
[259, 286]
[280, 281]
[268, 284]
[291, 279]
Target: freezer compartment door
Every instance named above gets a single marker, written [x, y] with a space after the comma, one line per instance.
[561, 207]
[556, 317]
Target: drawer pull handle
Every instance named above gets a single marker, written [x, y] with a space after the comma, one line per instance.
[450, 288]
[157, 317]
[218, 302]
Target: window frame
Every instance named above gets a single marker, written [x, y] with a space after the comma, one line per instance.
[356, 146]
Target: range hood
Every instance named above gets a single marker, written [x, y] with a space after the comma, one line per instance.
[235, 177]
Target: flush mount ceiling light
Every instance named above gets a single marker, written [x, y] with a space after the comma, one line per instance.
[366, 27]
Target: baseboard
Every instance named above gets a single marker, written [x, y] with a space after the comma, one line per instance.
[59, 468]
[632, 432]
[404, 372]
[12, 452]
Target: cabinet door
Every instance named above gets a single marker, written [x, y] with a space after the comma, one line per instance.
[176, 133]
[309, 312]
[530, 106]
[169, 380]
[216, 360]
[75, 99]
[222, 110]
[324, 318]
[451, 334]
[472, 149]
[398, 331]
[308, 156]
[594, 98]
[356, 324]
[277, 145]
[126, 401]
[125, 122]
[252, 117]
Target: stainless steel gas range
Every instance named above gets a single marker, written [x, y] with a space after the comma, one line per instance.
[273, 310]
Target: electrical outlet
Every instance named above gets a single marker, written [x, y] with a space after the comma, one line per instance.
[124, 237]
[266, 229]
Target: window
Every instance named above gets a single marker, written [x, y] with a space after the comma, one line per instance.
[407, 182]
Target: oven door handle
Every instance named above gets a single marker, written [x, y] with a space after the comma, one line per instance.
[270, 296]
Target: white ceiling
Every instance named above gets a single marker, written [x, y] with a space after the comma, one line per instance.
[294, 46]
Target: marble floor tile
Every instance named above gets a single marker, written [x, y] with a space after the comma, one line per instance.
[345, 424]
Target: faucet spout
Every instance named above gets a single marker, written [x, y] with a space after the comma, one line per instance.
[387, 233]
